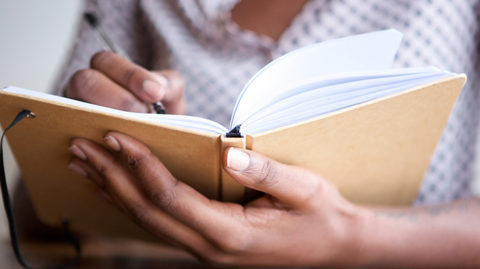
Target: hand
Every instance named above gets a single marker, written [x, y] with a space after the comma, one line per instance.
[301, 219]
[115, 82]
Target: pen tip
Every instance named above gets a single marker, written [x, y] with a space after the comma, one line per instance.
[91, 18]
[158, 107]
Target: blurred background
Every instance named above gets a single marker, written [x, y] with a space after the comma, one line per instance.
[36, 36]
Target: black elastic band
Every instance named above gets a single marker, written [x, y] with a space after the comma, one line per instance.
[9, 212]
[235, 132]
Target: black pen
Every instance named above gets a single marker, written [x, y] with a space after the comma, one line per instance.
[108, 43]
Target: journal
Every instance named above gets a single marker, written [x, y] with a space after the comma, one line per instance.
[335, 107]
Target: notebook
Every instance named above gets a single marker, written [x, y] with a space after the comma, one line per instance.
[335, 107]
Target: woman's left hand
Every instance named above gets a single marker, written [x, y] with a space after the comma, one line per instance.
[301, 219]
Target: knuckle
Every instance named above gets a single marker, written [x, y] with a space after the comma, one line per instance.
[129, 76]
[268, 173]
[164, 199]
[136, 159]
[102, 171]
[139, 214]
[128, 104]
[105, 169]
[81, 83]
[100, 57]
[312, 190]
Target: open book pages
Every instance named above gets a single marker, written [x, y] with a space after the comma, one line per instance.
[303, 84]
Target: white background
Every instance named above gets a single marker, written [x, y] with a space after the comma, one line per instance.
[35, 37]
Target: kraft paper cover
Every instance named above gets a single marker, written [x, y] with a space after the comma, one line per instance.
[41, 148]
[376, 152]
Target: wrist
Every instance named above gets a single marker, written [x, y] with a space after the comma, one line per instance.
[359, 228]
[373, 238]
[352, 231]
[364, 228]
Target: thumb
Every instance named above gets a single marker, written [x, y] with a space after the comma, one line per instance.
[173, 98]
[289, 184]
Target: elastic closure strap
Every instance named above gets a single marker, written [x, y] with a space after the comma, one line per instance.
[235, 132]
[9, 212]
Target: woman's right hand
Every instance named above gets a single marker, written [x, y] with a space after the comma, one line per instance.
[115, 82]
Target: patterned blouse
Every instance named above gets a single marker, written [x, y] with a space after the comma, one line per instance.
[216, 57]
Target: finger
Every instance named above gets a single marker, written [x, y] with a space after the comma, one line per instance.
[83, 168]
[146, 86]
[173, 100]
[216, 221]
[129, 198]
[291, 185]
[94, 87]
[105, 196]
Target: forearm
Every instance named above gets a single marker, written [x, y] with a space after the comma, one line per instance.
[431, 236]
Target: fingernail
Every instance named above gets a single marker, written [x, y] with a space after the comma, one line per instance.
[112, 142]
[78, 152]
[77, 169]
[237, 160]
[153, 89]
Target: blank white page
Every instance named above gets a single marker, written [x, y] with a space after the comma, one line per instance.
[371, 51]
[313, 102]
[182, 121]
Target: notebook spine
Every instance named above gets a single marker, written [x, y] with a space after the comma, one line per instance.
[229, 189]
